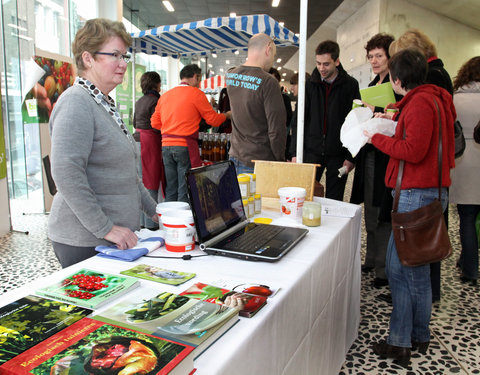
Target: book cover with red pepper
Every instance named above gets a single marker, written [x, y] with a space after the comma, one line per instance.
[92, 347]
[247, 304]
[90, 289]
[30, 320]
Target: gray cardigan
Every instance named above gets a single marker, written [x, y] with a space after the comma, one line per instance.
[94, 166]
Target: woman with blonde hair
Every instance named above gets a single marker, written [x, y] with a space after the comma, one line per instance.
[94, 157]
[436, 75]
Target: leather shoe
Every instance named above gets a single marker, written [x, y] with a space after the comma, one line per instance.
[378, 282]
[467, 280]
[400, 355]
[366, 269]
[386, 297]
[421, 346]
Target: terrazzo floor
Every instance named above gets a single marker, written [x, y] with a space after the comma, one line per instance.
[455, 325]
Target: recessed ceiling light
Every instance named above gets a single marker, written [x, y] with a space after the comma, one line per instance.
[202, 59]
[236, 52]
[275, 3]
[283, 80]
[233, 14]
[227, 62]
[279, 60]
[214, 55]
[284, 74]
[295, 72]
[221, 69]
[279, 68]
[167, 4]
[210, 65]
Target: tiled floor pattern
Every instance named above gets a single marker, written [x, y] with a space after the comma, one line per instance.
[455, 344]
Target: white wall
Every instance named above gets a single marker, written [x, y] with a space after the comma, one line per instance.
[354, 33]
[456, 43]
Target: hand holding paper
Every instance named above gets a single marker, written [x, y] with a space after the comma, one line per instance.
[357, 121]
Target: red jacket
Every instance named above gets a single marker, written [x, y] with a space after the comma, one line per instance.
[419, 149]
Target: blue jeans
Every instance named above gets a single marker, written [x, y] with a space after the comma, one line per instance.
[468, 237]
[176, 161]
[410, 286]
[240, 167]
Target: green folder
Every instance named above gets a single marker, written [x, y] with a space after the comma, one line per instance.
[379, 95]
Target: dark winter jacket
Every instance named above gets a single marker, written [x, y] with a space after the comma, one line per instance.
[326, 106]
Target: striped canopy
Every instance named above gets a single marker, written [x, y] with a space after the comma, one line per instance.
[213, 83]
[212, 35]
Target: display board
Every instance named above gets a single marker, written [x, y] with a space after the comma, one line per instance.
[124, 94]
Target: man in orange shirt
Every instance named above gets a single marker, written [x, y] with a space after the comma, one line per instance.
[177, 115]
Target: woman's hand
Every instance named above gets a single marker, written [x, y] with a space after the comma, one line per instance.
[123, 237]
[155, 218]
[368, 135]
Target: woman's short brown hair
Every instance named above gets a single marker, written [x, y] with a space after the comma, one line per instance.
[381, 41]
[414, 38]
[150, 81]
[93, 35]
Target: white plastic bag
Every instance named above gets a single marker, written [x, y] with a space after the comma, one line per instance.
[358, 120]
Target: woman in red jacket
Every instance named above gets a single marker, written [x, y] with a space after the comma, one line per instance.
[419, 117]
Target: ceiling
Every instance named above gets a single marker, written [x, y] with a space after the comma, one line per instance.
[147, 14]
[151, 13]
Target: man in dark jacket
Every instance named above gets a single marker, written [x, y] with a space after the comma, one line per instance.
[328, 98]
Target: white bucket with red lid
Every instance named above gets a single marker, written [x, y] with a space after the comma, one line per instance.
[179, 228]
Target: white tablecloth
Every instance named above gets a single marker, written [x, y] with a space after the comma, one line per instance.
[306, 328]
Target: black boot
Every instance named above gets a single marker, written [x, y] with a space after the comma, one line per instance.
[400, 355]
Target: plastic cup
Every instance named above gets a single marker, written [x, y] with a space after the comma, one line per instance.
[179, 228]
[163, 207]
[312, 214]
[291, 201]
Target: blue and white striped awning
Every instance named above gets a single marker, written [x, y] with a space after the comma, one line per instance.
[213, 35]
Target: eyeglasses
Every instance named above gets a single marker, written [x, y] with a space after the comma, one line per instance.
[116, 55]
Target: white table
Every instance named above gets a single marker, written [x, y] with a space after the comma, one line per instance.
[306, 328]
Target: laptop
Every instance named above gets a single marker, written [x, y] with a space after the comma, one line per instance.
[221, 223]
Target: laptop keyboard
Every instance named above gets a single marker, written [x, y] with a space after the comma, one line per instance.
[254, 238]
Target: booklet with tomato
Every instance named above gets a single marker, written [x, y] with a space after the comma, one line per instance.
[90, 289]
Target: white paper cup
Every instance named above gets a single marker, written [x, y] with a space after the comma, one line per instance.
[179, 229]
[163, 207]
[291, 201]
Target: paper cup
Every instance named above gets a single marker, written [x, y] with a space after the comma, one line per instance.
[163, 207]
[291, 201]
[357, 103]
[179, 229]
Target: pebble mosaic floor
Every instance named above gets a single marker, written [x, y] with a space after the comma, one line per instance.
[455, 325]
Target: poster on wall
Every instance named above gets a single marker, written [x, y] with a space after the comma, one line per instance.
[40, 100]
[124, 96]
[3, 156]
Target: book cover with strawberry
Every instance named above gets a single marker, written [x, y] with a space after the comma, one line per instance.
[88, 288]
[92, 347]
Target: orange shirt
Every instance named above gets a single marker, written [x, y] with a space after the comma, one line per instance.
[179, 111]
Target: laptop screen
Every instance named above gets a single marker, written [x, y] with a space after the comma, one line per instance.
[215, 198]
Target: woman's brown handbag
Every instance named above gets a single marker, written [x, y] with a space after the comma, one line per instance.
[421, 236]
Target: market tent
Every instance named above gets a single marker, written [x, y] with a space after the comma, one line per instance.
[213, 35]
[213, 83]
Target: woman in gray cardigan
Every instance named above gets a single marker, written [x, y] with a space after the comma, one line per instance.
[94, 158]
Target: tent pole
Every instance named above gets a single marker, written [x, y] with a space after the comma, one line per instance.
[301, 79]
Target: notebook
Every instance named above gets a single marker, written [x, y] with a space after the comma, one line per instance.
[222, 225]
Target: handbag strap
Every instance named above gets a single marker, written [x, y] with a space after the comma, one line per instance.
[402, 163]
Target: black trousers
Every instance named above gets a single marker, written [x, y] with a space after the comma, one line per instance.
[335, 186]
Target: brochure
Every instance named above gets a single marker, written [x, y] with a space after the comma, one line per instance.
[157, 274]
